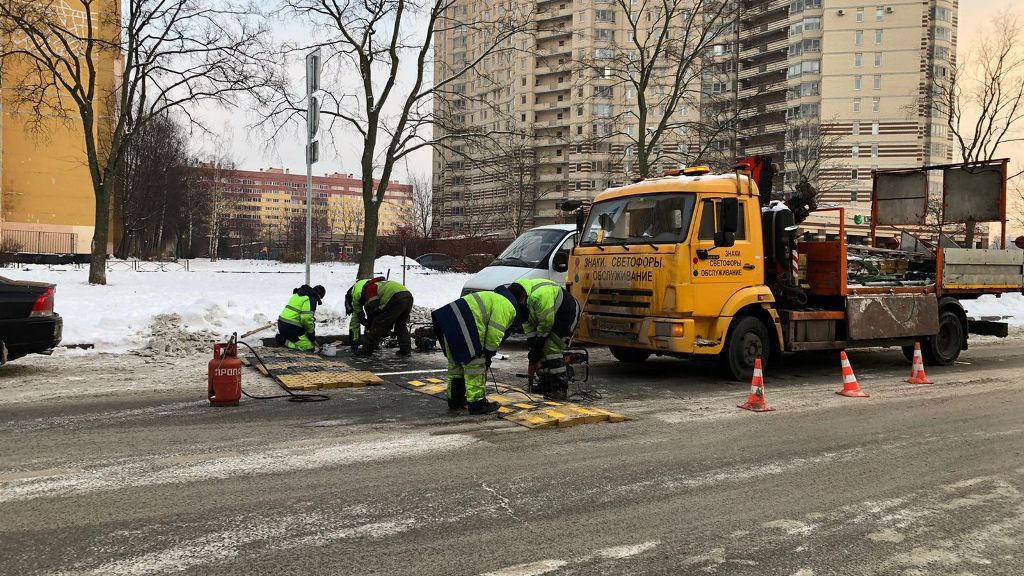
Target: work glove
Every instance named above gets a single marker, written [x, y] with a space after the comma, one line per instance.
[488, 355]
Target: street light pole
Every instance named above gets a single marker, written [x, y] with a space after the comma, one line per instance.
[312, 148]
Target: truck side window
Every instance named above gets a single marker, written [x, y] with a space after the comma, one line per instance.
[708, 222]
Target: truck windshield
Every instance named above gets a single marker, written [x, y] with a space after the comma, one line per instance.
[646, 219]
[531, 249]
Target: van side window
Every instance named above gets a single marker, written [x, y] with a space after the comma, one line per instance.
[709, 224]
[567, 245]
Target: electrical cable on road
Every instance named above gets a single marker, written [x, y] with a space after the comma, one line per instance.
[291, 396]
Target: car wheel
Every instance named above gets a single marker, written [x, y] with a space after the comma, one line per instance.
[747, 341]
[944, 348]
[629, 355]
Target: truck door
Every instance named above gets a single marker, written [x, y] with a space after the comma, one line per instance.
[718, 273]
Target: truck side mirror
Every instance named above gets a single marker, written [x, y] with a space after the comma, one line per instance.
[560, 261]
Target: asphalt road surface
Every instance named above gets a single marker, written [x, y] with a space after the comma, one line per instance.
[111, 465]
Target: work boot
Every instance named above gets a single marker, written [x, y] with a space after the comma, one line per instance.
[364, 351]
[483, 406]
[457, 394]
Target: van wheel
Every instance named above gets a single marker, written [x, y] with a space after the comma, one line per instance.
[747, 341]
[629, 355]
[944, 348]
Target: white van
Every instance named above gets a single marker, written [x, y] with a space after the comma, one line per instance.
[532, 255]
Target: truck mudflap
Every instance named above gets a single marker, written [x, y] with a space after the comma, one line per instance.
[882, 316]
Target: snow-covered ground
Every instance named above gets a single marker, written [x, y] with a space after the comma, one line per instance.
[219, 297]
[231, 295]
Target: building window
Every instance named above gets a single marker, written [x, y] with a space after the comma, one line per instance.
[810, 66]
[856, 128]
[875, 127]
[941, 53]
[878, 59]
[878, 36]
[879, 14]
[856, 104]
[860, 14]
[858, 37]
[858, 58]
[855, 151]
[877, 82]
[604, 35]
[942, 14]
[854, 175]
[876, 105]
[874, 150]
[856, 82]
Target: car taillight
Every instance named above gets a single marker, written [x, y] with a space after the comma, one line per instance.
[44, 304]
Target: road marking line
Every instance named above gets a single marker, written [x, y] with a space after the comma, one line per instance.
[411, 372]
[617, 552]
[531, 569]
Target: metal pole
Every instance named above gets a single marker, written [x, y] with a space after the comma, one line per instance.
[309, 182]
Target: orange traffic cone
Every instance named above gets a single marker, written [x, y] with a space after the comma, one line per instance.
[917, 375]
[756, 401]
[850, 386]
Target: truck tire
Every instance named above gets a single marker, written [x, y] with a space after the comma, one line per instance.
[944, 348]
[747, 341]
[908, 352]
[629, 355]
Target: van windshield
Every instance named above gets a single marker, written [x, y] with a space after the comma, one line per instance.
[646, 219]
[531, 249]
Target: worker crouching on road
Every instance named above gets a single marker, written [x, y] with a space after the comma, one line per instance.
[471, 330]
[381, 305]
[552, 317]
[296, 326]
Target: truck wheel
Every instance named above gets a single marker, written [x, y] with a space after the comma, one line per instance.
[747, 341]
[908, 352]
[944, 348]
[629, 355]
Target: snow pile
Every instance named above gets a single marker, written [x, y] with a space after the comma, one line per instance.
[1008, 306]
[167, 338]
[215, 298]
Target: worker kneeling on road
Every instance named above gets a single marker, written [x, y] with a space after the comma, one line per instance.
[552, 317]
[296, 326]
[381, 305]
[471, 330]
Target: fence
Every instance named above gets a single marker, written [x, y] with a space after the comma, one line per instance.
[37, 242]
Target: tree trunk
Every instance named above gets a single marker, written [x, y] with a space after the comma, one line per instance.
[98, 259]
[369, 253]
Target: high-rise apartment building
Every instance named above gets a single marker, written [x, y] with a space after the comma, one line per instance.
[844, 83]
[849, 81]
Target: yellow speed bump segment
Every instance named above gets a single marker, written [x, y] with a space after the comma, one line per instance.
[527, 410]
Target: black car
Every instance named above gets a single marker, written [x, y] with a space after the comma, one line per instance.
[28, 324]
[435, 261]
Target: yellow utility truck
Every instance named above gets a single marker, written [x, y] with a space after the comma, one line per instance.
[695, 264]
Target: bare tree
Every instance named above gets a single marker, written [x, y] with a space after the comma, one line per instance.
[221, 200]
[85, 59]
[814, 153]
[418, 212]
[508, 160]
[982, 95]
[672, 71]
[152, 188]
[377, 58]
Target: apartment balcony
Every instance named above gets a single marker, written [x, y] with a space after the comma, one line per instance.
[556, 68]
[541, 106]
[766, 88]
[548, 159]
[772, 128]
[765, 9]
[553, 13]
[564, 122]
[552, 88]
[764, 69]
[763, 109]
[554, 34]
[773, 148]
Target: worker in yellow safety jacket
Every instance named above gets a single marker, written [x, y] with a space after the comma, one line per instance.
[552, 317]
[382, 306]
[471, 329]
[296, 326]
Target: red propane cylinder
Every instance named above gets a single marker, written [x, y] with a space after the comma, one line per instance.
[224, 375]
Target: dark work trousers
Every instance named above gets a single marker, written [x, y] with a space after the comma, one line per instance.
[394, 315]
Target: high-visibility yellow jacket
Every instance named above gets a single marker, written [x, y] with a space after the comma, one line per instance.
[371, 295]
[543, 298]
[299, 313]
